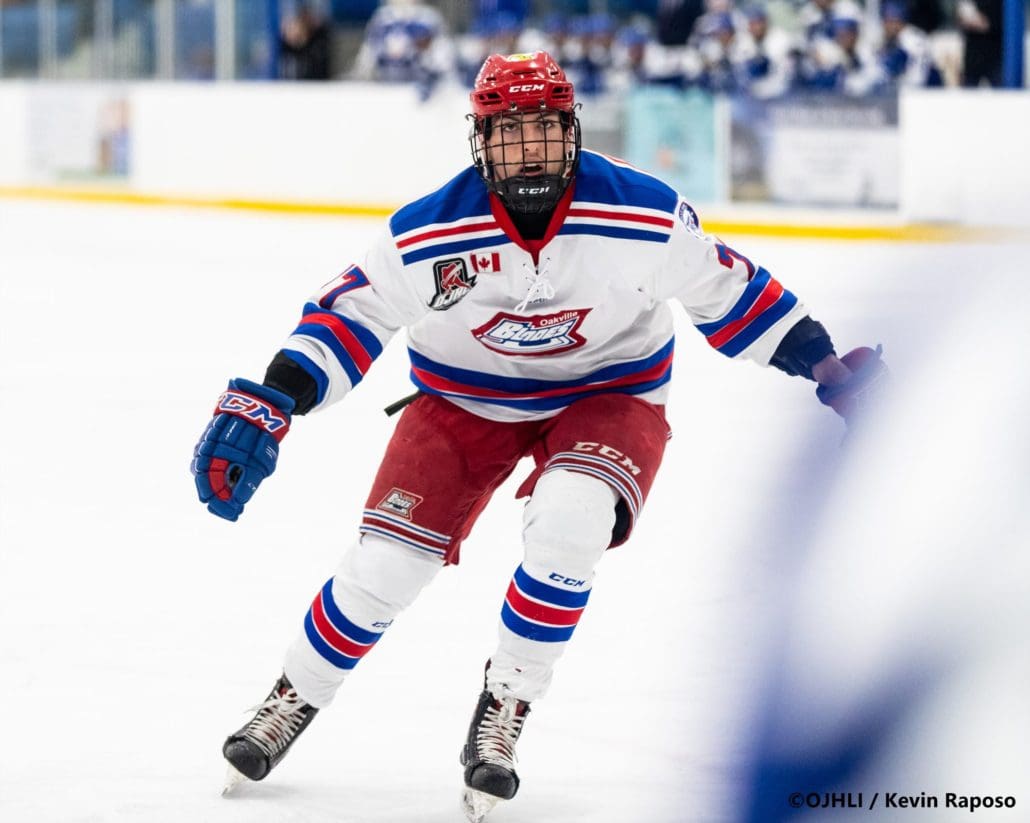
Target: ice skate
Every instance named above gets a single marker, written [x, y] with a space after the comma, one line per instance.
[233, 778]
[255, 749]
[477, 804]
[489, 754]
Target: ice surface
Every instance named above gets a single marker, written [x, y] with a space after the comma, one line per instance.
[135, 628]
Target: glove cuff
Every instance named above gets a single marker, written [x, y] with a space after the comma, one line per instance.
[282, 401]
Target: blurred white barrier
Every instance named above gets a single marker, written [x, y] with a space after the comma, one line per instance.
[351, 143]
[371, 145]
[964, 156]
[337, 142]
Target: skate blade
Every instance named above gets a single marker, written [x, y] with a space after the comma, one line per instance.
[233, 778]
[477, 804]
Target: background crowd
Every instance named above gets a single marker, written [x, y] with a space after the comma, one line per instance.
[761, 49]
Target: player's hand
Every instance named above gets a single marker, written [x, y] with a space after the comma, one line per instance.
[240, 445]
[851, 397]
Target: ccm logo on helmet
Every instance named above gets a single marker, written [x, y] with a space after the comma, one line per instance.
[532, 87]
[534, 190]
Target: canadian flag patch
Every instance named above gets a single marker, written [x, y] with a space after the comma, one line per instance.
[486, 262]
[538, 334]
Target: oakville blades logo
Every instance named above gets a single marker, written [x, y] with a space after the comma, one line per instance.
[539, 334]
[453, 282]
[400, 502]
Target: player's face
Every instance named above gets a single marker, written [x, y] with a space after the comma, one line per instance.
[846, 39]
[528, 144]
[892, 27]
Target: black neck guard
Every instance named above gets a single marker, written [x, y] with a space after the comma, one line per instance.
[531, 226]
[531, 195]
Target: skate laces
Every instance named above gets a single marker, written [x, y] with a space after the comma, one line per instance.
[498, 731]
[540, 286]
[276, 722]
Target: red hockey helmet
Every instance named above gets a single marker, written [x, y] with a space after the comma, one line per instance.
[521, 82]
[521, 85]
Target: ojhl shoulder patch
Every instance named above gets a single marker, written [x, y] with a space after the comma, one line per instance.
[453, 282]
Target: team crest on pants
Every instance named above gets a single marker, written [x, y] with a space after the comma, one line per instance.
[453, 282]
[399, 502]
[539, 334]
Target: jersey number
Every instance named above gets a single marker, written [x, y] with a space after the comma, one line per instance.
[728, 255]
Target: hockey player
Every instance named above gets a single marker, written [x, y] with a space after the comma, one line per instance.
[534, 288]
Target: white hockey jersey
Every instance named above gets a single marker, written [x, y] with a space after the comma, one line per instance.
[511, 329]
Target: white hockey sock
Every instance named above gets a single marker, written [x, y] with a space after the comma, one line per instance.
[567, 527]
[375, 581]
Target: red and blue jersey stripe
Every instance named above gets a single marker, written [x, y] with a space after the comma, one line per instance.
[539, 611]
[353, 345]
[463, 196]
[614, 199]
[452, 239]
[611, 199]
[621, 223]
[763, 302]
[332, 635]
[454, 219]
[633, 377]
[602, 179]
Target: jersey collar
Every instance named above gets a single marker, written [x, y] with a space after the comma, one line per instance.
[532, 246]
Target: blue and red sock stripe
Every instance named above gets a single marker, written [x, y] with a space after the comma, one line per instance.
[332, 635]
[397, 528]
[763, 302]
[539, 611]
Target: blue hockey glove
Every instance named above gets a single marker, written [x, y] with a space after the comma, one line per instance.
[868, 378]
[240, 445]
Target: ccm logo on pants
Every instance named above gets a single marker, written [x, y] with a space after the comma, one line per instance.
[609, 452]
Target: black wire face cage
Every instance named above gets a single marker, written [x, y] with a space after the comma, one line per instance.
[524, 158]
